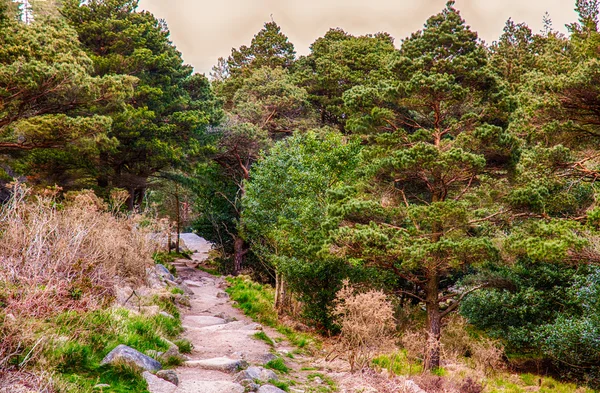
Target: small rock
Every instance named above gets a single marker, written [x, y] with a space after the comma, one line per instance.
[318, 380]
[256, 373]
[166, 314]
[412, 387]
[123, 353]
[250, 385]
[163, 272]
[219, 364]
[172, 352]
[222, 295]
[225, 317]
[158, 385]
[269, 389]
[267, 357]
[182, 300]
[169, 376]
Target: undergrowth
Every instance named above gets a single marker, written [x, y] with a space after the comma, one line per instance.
[257, 301]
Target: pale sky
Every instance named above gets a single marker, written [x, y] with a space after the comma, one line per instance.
[206, 30]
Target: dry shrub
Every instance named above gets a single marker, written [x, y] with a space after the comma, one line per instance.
[12, 381]
[487, 354]
[435, 384]
[367, 325]
[415, 343]
[56, 257]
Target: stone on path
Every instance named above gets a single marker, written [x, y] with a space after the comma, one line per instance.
[256, 373]
[209, 387]
[169, 376]
[158, 385]
[220, 364]
[125, 354]
[269, 389]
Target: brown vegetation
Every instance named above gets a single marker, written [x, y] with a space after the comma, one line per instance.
[367, 325]
[66, 255]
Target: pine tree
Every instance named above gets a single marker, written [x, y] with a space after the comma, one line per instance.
[437, 146]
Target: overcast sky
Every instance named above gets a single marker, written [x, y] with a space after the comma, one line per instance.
[206, 30]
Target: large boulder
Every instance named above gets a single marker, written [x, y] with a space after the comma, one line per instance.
[128, 355]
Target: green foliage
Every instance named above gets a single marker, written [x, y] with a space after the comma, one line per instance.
[264, 337]
[184, 345]
[397, 364]
[162, 124]
[286, 216]
[255, 300]
[339, 61]
[278, 364]
[87, 338]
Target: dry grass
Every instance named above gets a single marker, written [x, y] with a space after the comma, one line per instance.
[367, 325]
[63, 256]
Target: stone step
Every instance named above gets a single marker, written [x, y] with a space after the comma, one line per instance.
[223, 364]
[199, 321]
[196, 386]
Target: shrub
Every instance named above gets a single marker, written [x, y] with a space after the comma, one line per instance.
[367, 325]
[62, 256]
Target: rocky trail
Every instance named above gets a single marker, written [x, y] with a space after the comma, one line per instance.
[224, 346]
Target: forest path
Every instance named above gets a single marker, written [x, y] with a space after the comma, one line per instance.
[222, 335]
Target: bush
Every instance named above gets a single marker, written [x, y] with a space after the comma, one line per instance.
[367, 325]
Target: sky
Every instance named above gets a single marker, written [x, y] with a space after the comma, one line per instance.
[206, 30]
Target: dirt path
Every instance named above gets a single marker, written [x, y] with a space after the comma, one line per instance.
[223, 339]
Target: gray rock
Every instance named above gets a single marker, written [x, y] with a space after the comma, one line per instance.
[250, 385]
[164, 272]
[172, 352]
[220, 364]
[166, 314]
[269, 389]
[267, 357]
[169, 376]
[123, 353]
[318, 380]
[222, 295]
[412, 387]
[158, 385]
[256, 374]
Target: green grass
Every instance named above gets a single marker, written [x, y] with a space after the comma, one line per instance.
[280, 384]
[85, 338]
[185, 346]
[257, 302]
[397, 363]
[263, 337]
[278, 365]
[504, 383]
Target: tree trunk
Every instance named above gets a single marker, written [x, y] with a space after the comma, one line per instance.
[434, 323]
[178, 217]
[238, 255]
[281, 300]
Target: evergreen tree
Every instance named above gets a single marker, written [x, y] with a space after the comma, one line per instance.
[437, 151]
[171, 108]
[337, 62]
